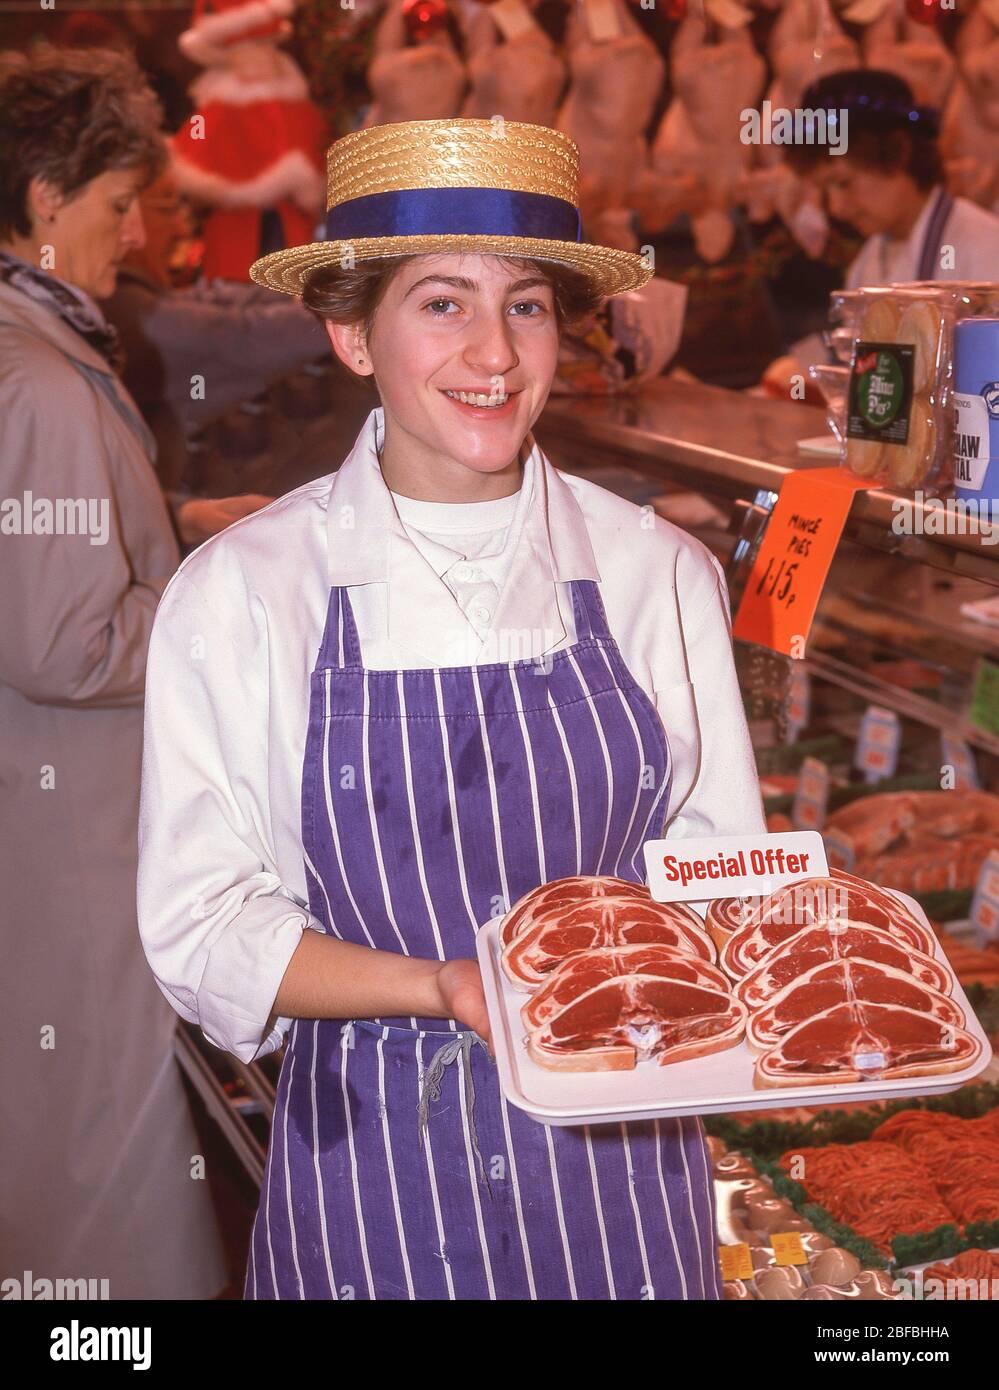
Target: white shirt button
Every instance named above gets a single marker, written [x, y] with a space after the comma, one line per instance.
[479, 613]
[462, 572]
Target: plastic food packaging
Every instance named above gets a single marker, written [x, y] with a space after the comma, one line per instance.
[897, 419]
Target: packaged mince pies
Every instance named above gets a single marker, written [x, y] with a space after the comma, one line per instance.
[897, 426]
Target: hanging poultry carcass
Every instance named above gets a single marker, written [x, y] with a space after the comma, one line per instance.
[513, 67]
[915, 52]
[970, 133]
[616, 73]
[419, 81]
[806, 43]
[698, 157]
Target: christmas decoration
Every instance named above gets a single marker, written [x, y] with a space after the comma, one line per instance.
[253, 151]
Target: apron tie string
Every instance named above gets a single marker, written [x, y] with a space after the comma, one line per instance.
[430, 1089]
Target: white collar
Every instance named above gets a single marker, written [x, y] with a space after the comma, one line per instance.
[368, 544]
[362, 521]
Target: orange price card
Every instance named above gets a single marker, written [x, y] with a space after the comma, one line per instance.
[736, 1262]
[788, 1249]
[788, 574]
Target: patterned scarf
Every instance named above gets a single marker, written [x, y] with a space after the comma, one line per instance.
[73, 306]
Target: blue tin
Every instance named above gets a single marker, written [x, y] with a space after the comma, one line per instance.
[976, 410]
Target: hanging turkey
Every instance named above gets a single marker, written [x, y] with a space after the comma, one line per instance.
[698, 159]
[616, 75]
[513, 68]
[970, 133]
[805, 44]
[915, 52]
[415, 73]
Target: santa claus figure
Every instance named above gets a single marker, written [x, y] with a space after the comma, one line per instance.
[253, 152]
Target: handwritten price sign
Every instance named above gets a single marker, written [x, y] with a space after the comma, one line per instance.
[788, 575]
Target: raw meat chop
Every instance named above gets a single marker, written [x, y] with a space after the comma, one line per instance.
[602, 922]
[838, 982]
[563, 892]
[839, 897]
[627, 1016]
[824, 941]
[860, 1042]
[586, 969]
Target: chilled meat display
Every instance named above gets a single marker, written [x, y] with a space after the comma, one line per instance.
[855, 1041]
[920, 842]
[824, 942]
[634, 1014]
[919, 1170]
[840, 982]
[622, 921]
[564, 892]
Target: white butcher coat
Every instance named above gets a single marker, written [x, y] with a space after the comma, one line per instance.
[972, 231]
[96, 1142]
[222, 891]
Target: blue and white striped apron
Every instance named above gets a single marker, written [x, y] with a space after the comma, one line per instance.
[432, 799]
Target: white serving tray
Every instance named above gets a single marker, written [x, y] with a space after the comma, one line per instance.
[717, 1084]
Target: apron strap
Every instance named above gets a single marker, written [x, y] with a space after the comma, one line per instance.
[929, 255]
[430, 1090]
[340, 645]
[588, 609]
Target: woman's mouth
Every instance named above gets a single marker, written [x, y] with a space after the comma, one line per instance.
[483, 404]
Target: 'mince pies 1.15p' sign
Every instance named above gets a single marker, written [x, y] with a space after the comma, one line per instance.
[732, 866]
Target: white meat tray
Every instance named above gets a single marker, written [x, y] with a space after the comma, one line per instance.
[720, 1083]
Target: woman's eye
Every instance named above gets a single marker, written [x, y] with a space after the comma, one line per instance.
[528, 304]
[438, 313]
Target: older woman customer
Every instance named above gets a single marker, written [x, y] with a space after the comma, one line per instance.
[97, 1150]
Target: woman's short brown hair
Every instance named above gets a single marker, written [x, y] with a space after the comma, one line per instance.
[67, 116]
[346, 296]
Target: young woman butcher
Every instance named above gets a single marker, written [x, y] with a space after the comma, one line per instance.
[399, 698]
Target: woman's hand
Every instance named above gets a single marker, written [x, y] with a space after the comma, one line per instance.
[459, 984]
[202, 517]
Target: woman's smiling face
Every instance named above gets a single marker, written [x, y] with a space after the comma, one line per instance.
[453, 324]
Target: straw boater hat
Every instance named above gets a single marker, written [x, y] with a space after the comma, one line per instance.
[424, 187]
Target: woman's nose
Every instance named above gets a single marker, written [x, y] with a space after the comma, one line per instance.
[133, 231]
[490, 345]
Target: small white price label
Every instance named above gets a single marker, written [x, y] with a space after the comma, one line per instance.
[985, 904]
[878, 743]
[812, 796]
[956, 753]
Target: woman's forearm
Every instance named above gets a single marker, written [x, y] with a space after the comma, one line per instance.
[327, 978]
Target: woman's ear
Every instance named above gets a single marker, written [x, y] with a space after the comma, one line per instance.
[44, 200]
[348, 343]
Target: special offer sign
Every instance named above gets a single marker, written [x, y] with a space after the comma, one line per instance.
[732, 866]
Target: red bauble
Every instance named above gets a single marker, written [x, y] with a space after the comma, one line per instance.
[675, 9]
[424, 18]
[923, 11]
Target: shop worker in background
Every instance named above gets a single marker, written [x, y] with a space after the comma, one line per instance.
[889, 186]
